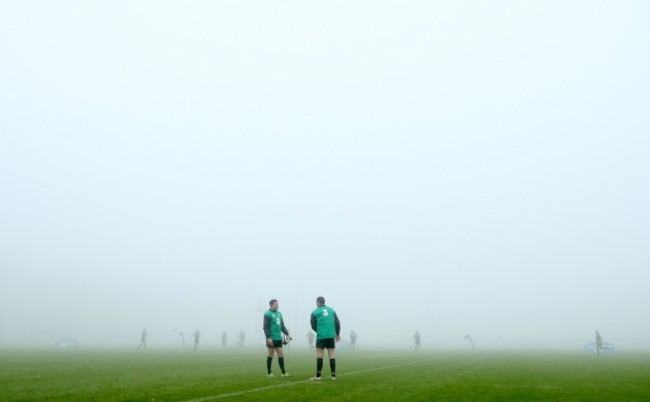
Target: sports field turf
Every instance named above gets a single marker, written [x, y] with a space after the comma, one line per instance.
[207, 375]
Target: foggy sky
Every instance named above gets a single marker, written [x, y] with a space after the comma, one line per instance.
[449, 167]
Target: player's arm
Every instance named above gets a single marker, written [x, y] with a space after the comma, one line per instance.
[314, 323]
[285, 330]
[337, 326]
[267, 326]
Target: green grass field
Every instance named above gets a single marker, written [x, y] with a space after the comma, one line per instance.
[206, 375]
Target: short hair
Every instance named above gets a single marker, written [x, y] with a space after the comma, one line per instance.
[320, 300]
[272, 301]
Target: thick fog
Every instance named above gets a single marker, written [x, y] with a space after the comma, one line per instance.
[448, 167]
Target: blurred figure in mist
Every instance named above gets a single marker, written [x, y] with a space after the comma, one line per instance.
[224, 339]
[417, 338]
[310, 340]
[353, 340]
[599, 343]
[242, 337]
[143, 339]
[469, 338]
[182, 335]
[197, 337]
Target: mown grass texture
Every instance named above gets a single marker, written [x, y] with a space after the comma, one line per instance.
[364, 375]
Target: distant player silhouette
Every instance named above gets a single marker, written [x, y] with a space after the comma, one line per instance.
[143, 339]
[353, 340]
[197, 336]
[310, 339]
[417, 338]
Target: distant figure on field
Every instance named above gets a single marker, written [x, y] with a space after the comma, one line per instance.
[242, 337]
[197, 336]
[143, 339]
[417, 338]
[310, 339]
[327, 326]
[469, 338]
[599, 343]
[182, 335]
[224, 339]
[353, 340]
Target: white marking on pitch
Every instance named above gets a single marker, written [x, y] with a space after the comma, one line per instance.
[288, 384]
[527, 386]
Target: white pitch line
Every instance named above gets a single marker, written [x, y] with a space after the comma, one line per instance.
[527, 386]
[387, 367]
[288, 384]
[248, 391]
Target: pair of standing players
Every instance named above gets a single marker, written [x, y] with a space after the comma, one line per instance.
[324, 322]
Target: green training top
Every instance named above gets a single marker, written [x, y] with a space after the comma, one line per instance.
[274, 325]
[325, 322]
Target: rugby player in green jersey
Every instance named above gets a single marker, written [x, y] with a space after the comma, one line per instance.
[327, 326]
[273, 330]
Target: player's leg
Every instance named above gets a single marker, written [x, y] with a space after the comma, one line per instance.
[280, 351]
[331, 354]
[319, 361]
[269, 360]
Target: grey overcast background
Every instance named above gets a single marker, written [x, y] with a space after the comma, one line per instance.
[451, 167]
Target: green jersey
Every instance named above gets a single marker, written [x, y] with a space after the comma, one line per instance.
[274, 325]
[325, 322]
